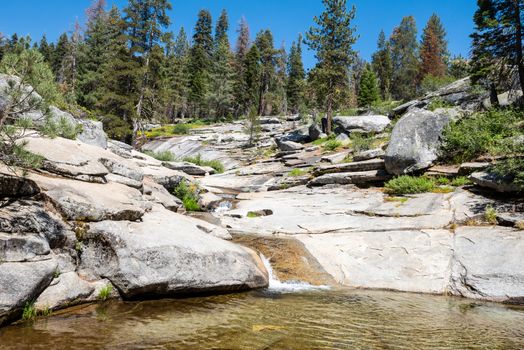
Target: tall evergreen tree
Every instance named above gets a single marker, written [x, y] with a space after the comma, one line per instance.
[241, 93]
[119, 88]
[296, 76]
[59, 54]
[333, 38]
[146, 21]
[264, 43]
[279, 103]
[433, 49]
[201, 62]
[45, 49]
[222, 27]
[497, 41]
[383, 66]
[368, 92]
[404, 54]
[220, 95]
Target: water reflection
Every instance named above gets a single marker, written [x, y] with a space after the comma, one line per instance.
[322, 319]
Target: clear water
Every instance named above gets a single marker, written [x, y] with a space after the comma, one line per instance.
[318, 319]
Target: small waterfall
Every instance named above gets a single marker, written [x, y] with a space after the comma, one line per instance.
[276, 285]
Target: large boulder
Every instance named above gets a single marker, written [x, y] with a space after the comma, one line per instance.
[21, 283]
[362, 124]
[93, 133]
[494, 182]
[415, 141]
[65, 290]
[288, 146]
[168, 254]
[13, 186]
[314, 132]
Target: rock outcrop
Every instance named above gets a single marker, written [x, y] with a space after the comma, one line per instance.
[415, 141]
[362, 124]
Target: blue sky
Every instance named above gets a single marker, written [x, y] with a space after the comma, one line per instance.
[286, 18]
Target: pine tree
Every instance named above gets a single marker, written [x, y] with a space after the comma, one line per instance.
[497, 41]
[201, 62]
[220, 95]
[252, 77]
[333, 39]
[383, 66]
[59, 53]
[45, 49]
[368, 91]
[241, 95]
[68, 71]
[296, 76]
[264, 43]
[94, 54]
[221, 28]
[459, 67]
[146, 20]
[119, 88]
[433, 49]
[404, 54]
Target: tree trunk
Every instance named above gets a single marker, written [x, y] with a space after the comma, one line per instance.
[518, 42]
[329, 114]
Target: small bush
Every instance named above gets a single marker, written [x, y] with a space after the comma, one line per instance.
[29, 313]
[331, 145]
[490, 215]
[441, 180]
[215, 164]
[252, 215]
[385, 107]
[409, 185]
[512, 170]
[361, 143]
[439, 103]
[105, 292]
[431, 83]
[297, 172]
[487, 133]
[460, 181]
[188, 194]
[164, 156]
[181, 129]
[61, 128]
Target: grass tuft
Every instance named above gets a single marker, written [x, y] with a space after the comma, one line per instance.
[198, 160]
[409, 185]
[105, 292]
[188, 194]
[490, 215]
[164, 156]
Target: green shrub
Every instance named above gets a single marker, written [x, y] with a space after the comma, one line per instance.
[181, 129]
[297, 172]
[331, 145]
[105, 292]
[361, 142]
[441, 180]
[431, 83]
[439, 103]
[61, 128]
[460, 181]
[409, 185]
[511, 169]
[29, 313]
[385, 107]
[215, 164]
[487, 133]
[164, 156]
[490, 215]
[188, 194]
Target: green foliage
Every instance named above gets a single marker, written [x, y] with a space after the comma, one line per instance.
[439, 103]
[405, 60]
[368, 93]
[164, 156]
[29, 313]
[361, 142]
[433, 49]
[296, 80]
[511, 170]
[188, 193]
[460, 181]
[252, 214]
[383, 66]
[105, 292]
[198, 160]
[409, 185]
[490, 215]
[61, 128]
[297, 172]
[431, 83]
[331, 145]
[487, 133]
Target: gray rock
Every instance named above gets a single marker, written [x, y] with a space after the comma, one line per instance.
[21, 283]
[415, 141]
[314, 132]
[510, 219]
[300, 135]
[186, 167]
[367, 165]
[288, 146]
[123, 168]
[20, 248]
[16, 186]
[470, 168]
[30, 217]
[124, 181]
[335, 158]
[342, 138]
[269, 120]
[65, 290]
[168, 178]
[93, 133]
[365, 124]
[357, 178]
[167, 254]
[403, 108]
[293, 118]
[158, 194]
[494, 182]
[370, 154]
[487, 264]
[120, 148]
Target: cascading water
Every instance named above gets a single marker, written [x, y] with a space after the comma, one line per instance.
[275, 285]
